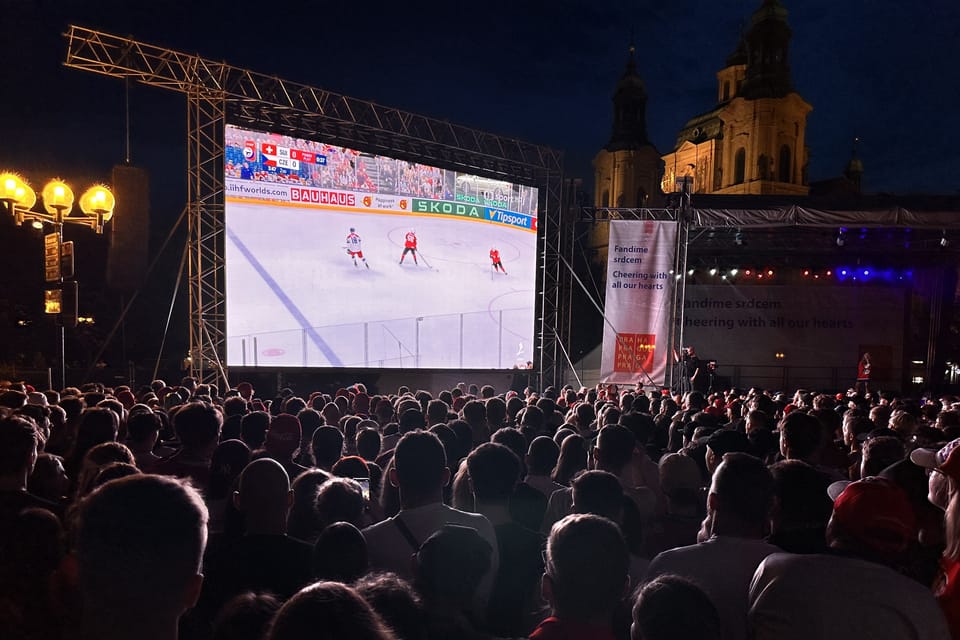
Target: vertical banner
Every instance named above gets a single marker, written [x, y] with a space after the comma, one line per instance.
[638, 301]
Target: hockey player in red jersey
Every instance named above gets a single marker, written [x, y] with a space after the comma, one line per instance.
[495, 259]
[409, 246]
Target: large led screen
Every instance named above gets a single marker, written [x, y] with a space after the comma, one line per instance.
[338, 258]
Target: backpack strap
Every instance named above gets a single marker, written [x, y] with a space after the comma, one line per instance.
[406, 533]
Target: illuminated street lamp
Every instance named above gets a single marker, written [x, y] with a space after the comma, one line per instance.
[96, 204]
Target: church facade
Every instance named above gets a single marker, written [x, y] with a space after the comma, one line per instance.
[753, 141]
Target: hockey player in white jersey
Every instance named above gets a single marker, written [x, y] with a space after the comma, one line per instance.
[354, 247]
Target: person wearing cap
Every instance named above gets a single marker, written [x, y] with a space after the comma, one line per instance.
[723, 442]
[944, 492]
[855, 590]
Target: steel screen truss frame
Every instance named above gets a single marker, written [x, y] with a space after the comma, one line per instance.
[217, 92]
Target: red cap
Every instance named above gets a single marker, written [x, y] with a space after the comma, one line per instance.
[877, 514]
[284, 433]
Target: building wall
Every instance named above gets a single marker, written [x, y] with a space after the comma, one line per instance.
[627, 178]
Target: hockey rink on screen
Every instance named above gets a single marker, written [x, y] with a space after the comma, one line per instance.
[295, 298]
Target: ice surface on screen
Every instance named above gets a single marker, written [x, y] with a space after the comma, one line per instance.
[337, 258]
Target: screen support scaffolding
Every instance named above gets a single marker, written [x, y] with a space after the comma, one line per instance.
[216, 92]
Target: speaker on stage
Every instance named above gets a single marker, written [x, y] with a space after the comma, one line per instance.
[130, 229]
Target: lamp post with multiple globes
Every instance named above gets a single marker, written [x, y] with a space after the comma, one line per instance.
[96, 207]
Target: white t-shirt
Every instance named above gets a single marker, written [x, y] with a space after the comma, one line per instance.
[389, 550]
[830, 596]
[723, 567]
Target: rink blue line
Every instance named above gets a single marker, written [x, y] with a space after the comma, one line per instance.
[285, 299]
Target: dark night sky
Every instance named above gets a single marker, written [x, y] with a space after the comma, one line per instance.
[884, 70]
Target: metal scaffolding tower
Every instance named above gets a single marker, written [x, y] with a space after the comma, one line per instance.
[217, 93]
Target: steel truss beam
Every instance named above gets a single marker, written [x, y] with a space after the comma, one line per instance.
[217, 92]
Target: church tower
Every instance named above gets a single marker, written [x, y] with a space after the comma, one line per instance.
[753, 140]
[627, 169]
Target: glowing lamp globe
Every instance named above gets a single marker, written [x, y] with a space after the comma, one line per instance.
[25, 197]
[98, 200]
[57, 197]
[8, 185]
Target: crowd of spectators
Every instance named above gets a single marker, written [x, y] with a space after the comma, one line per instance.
[182, 512]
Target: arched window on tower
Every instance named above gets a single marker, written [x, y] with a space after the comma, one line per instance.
[726, 90]
[763, 167]
[739, 165]
[605, 200]
[783, 169]
[621, 201]
[641, 198]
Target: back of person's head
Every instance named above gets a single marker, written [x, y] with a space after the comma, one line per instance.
[96, 425]
[532, 417]
[327, 446]
[283, 435]
[235, 406]
[586, 568]
[474, 412]
[264, 489]
[113, 471]
[879, 453]
[437, 411]
[542, 456]
[599, 493]
[803, 506]
[253, 428]
[198, 425]
[19, 440]
[98, 457]
[143, 426]
[328, 611]
[33, 552]
[310, 421]
[228, 460]
[451, 563]
[420, 463]
[512, 439]
[673, 608]
[340, 553]
[494, 472]
[141, 539]
[680, 479]
[245, 617]
[799, 435]
[615, 445]
[12, 399]
[410, 420]
[369, 443]
[351, 467]
[340, 500]
[397, 602]
[496, 412]
[743, 488]
[572, 460]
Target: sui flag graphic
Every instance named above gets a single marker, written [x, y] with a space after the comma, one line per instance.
[638, 301]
